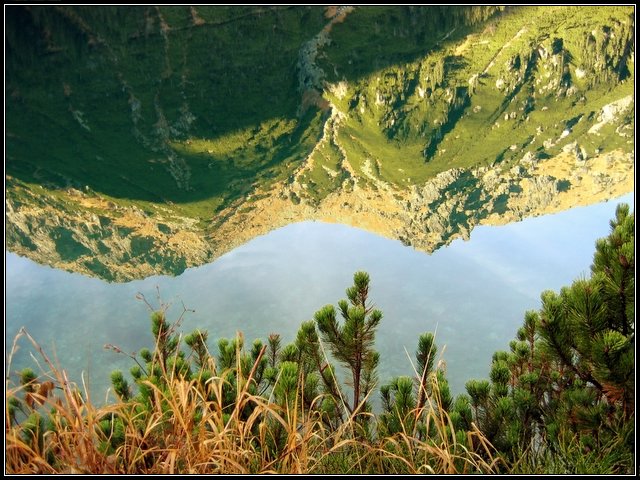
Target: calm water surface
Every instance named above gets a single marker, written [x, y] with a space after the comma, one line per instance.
[473, 294]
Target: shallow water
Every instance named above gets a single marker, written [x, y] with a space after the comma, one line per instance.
[473, 294]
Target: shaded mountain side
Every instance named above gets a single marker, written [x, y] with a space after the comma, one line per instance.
[144, 140]
[109, 96]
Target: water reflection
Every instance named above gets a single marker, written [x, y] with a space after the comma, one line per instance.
[473, 294]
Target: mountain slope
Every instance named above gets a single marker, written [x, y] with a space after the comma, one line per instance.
[144, 140]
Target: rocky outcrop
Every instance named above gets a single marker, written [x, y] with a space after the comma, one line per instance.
[82, 232]
[451, 204]
[610, 112]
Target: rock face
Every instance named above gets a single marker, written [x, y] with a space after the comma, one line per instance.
[100, 239]
[610, 112]
[450, 205]
[145, 141]
[84, 233]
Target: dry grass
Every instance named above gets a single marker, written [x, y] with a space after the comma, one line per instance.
[185, 428]
[439, 453]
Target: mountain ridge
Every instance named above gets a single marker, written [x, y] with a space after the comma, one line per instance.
[495, 115]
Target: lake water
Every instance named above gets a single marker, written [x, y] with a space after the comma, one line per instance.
[473, 294]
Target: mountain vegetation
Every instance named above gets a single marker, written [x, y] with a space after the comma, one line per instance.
[143, 140]
[561, 400]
